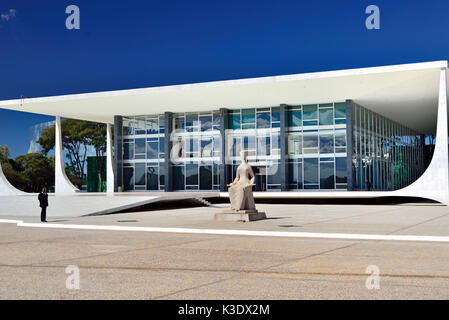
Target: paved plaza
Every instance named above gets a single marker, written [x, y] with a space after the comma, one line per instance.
[146, 264]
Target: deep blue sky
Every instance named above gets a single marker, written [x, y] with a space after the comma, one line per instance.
[132, 44]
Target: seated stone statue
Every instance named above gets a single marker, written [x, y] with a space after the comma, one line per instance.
[241, 189]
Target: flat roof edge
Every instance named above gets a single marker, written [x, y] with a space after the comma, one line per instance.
[246, 81]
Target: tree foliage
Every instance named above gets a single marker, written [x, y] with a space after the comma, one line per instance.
[76, 136]
[29, 172]
[74, 140]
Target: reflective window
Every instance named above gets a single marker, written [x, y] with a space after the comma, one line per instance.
[152, 178]
[294, 116]
[327, 175]
[326, 143]
[263, 120]
[310, 171]
[326, 116]
[140, 174]
[340, 170]
[128, 178]
[310, 112]
[152, 150]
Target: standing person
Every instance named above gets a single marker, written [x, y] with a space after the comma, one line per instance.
[43, 203]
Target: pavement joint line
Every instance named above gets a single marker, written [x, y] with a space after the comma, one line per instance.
[414, 238]
[234, 271]
[419, 223]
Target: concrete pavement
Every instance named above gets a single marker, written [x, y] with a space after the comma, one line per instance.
[150, 265]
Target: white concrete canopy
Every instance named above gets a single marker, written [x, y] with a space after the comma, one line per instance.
[109, 161]
[62, 182]
[414, 95]
[405, 93]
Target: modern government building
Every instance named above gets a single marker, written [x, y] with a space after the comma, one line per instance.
[356, 133]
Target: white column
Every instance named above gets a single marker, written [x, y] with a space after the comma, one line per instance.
[109, 161]
[434, 183]
[62, 182]
[6, 188]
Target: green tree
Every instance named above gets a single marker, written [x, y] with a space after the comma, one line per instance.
[75, 141]
[37, 170]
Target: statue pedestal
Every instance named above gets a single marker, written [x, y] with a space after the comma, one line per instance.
[240, 215]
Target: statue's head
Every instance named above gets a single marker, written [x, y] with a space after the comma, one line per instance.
[243, 155]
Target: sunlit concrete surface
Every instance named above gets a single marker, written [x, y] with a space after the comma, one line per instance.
[150, 265]
[80, 204]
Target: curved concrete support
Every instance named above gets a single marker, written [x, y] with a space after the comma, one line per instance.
[6, 188]
[109, 161]
[62, 182]
[434, 183]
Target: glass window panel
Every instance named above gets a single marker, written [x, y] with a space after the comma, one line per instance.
[191, 174]
[128, 178]
[294, 144]
[128, 151]
[263, 120]
[273, 173]
[293, 174]
[206, 147]
[326, 117]
[294, 118]
[276, 114]
[236, 146]
[310, 141]
[340, 121]
[311, 170]
[152, 150]
[140, 145]
[326, 143]
[249, 143]
[340, 138]
[340, 110]
[217, 146]
[275, 143]
[152, 126]
[327, 175]
[140, 173]
[263, 146]
[178, 183]
[234, 121]
[152, 178]
[310, 123]
[216, 121]
[310, 112]
[179, 123]
[206, 123]
[206, 178]
[161, 175]
[248, 116]
[161, 144]
[192, 122]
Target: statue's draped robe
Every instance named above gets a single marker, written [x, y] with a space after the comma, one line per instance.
[241, 193]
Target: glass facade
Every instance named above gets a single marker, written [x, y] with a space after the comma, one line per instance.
[143, 153]
[385, 154]
[256, 130]
[196, 151]
[321, 151]
[317, 149]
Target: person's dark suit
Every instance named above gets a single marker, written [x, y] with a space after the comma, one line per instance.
[43, 203]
